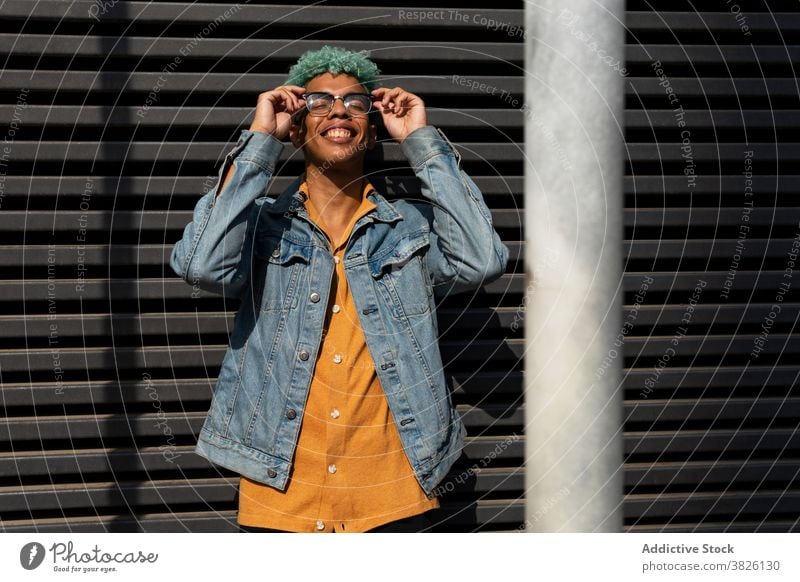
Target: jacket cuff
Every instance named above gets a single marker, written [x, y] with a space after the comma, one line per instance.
[258, 147]
[425, 142]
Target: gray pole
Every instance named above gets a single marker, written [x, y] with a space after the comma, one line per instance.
[574, 104]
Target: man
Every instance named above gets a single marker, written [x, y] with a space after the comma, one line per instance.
[331, 401]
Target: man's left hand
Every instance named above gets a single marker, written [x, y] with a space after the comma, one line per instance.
[402, 112]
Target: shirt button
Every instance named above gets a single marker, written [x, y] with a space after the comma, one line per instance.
[336, 309]
[331, 468]
[271, 473]
[320, 525]
[334, 413]
[291, 414]
[303, 355]
[335, 259]
[337, 359]
[314, 297]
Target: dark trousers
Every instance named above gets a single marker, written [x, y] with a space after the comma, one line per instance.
[413, 524]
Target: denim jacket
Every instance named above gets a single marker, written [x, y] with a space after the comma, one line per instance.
[399, 259]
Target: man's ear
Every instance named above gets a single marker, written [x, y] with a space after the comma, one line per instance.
[297, 131]
[372, 133]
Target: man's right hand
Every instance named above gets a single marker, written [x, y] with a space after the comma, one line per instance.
[275, 109]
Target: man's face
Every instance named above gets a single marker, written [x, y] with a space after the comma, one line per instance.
[355, 134]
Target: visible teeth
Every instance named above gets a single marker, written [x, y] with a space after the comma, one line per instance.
[338, 132]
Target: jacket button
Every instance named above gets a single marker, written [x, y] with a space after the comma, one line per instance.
[291, 414]
[304, 355]
[314, 297]
[276, 253]
[271, 473]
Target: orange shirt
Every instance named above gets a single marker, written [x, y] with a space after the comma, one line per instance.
[350, 472]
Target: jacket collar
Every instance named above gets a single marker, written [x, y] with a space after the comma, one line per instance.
[292, 199]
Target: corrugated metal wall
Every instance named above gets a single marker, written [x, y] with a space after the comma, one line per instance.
[116, 117]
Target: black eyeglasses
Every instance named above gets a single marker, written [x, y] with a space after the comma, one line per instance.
[357, 104]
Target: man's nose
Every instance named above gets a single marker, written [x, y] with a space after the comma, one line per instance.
[338, 107]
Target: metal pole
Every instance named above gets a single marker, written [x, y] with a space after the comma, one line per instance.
[574, 105]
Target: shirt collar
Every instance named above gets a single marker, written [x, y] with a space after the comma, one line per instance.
[296, 193]
[303, 188]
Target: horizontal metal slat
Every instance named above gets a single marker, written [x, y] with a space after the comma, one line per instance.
[117, 358]
[706, 21]
[145, 391]
[749, 441]
[773, 440]
[488, 512]
[738, 314]
[104, 426]
[159, 13]
[185, 152]
[226, 118]
[728, 188]
[713, 119]
[194, 324]
[209, 522]
[139, 47]
[72, 81]
[723, 475]
[154, 357]
[708, 505]
[167, 424]
[71, 188]
[725, 55]
[703, 378]
[230, 118]
[688, 410]
[726, 475]
[481, 386]
[60, 464]
[713, 217]
[252, 84]
[695, 248]
[68, 256]
[107, 188]
[118, 495]
[717, 344]
[157, 220]
[152, 459]
[66, 289]
[132, 494]
[723, 526]
[505, 384]
[711, 88]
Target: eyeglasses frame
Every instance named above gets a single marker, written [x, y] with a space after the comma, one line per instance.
[333, 101]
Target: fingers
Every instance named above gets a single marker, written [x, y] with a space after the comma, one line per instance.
[397, 100]
[275, 108]
[294, 92]
[287, 98]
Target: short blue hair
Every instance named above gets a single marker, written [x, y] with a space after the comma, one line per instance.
[334, 60]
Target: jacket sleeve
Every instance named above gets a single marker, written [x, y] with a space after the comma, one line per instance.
[465, 252]
[209, 255]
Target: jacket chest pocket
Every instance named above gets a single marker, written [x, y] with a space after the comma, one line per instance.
[282, 263]
[401, 276]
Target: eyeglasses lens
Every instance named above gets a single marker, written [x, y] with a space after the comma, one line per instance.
[322, 103]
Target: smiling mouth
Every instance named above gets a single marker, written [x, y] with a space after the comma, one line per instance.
[338, 134]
